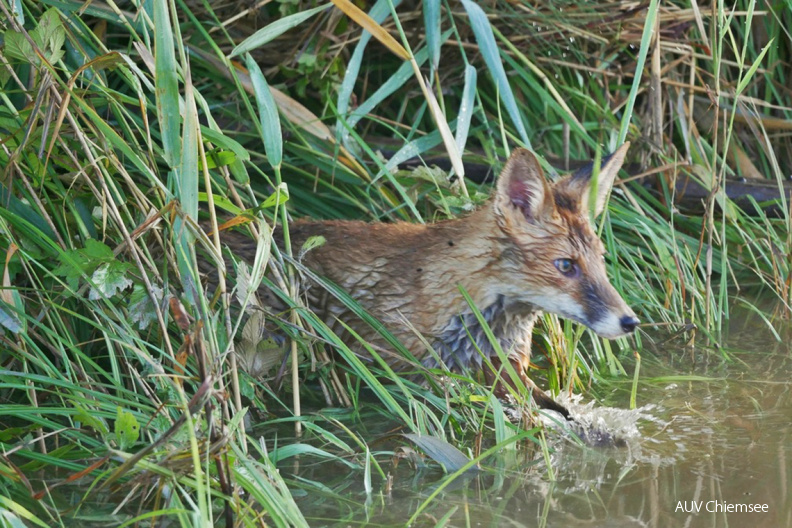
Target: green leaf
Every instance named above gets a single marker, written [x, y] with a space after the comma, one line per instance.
[491, 54]
[127, 429]
[752, 70]
[648, 31]
[80, 262]
[221, 140]
[96, 250]
[378, 13]
[11, 321]
[141, 309]
[89, 420]
[18, 47]
[17, 11]
[50, 35]
[166, 82]
[312, 243]
[268, 114]
[77, 263]
[274, 30]
[108, 279]
[431, 12]
[218, 158]
[466, 108]
[220, 202]
[279, 197]
[448, 456]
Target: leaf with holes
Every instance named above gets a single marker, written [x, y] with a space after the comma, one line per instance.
[127, 429]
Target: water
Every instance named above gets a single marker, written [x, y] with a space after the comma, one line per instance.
[712, 431]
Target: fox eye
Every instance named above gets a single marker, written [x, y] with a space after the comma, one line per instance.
[567, 267]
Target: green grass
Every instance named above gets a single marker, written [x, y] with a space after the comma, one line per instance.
[118, 127]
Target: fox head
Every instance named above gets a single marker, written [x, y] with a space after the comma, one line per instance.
[552, 257]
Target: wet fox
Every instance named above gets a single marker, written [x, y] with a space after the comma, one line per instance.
[530, 249]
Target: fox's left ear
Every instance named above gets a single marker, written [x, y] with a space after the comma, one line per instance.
[522, 191]
[582, 181]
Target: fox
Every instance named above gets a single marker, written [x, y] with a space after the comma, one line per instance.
[530, 249]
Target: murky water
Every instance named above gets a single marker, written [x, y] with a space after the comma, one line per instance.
[712, 438]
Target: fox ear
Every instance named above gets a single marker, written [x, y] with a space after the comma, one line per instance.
[582, 182]
[522, 187]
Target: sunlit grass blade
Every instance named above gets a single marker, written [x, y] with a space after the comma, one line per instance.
[466, 106]
[377, 31]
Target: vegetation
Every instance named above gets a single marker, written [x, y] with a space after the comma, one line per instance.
[124, 397]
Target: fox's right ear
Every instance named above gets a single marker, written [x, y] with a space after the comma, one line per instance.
[522, 187]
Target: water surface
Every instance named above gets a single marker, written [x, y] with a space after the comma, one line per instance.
[712, 431]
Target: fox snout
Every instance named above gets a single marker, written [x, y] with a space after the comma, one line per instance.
[597, 306]
[629, 323]
[614, 323]
[603, 309]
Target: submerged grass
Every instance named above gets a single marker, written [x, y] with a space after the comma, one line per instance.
[122, 400]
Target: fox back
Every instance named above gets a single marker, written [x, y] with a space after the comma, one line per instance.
[530, 249]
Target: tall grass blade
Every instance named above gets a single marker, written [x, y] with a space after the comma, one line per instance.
[166, 81]
[379, 12]
[491, 53]
[646, 37]
[268, 114]
[466, 107]
[431, 13]
[752, 70]
[274, 30]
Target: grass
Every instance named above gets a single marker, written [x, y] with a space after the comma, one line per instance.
[119, 384]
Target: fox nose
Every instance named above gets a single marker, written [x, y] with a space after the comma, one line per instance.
[629, 322]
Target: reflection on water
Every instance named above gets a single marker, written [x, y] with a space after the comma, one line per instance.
[713, 433]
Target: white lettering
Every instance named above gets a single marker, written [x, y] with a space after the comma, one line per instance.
[693, 507]
[719, 507]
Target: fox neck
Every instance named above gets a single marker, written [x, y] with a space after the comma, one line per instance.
[465, 343]
[474, 261]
